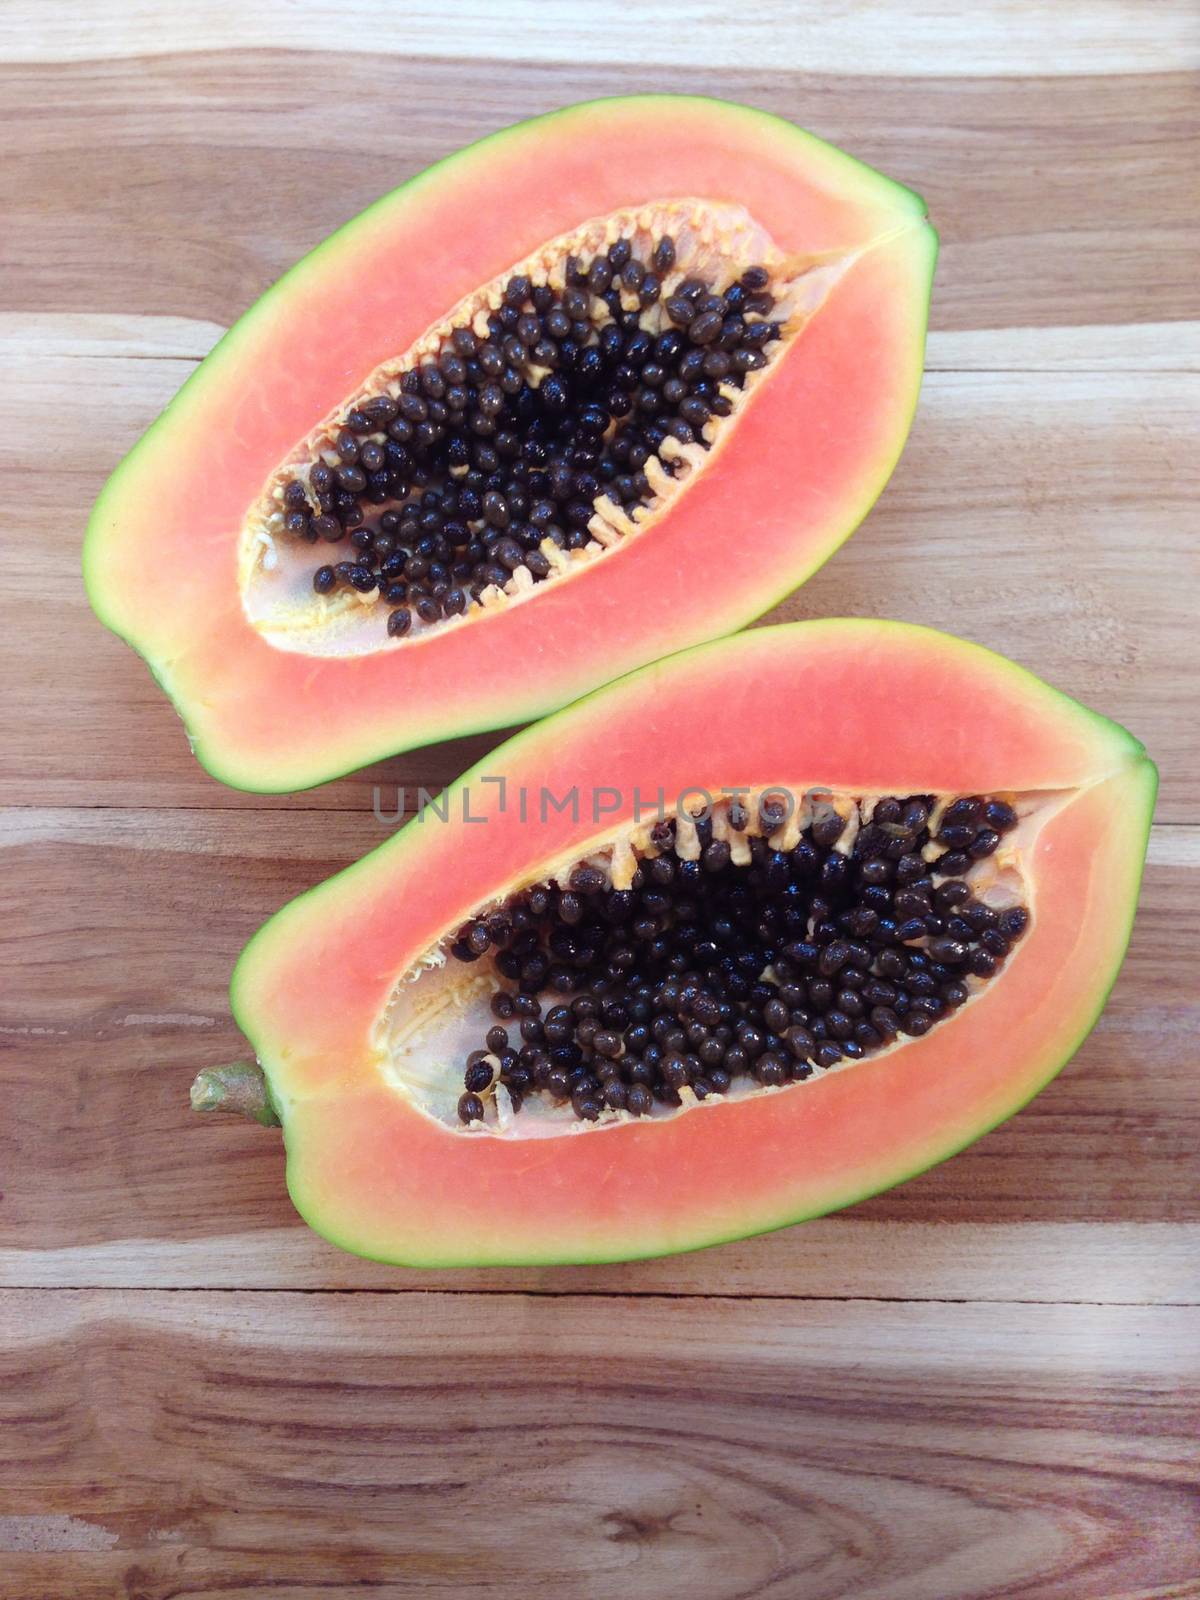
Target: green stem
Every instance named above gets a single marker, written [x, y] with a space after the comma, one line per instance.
[241, 1086]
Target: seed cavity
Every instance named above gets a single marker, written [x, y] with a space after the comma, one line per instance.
[748, 949]
[547, 420]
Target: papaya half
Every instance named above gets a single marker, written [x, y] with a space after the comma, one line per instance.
[750, 934]
[598, 388]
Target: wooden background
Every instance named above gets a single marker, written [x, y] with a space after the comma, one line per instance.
[983, 1384]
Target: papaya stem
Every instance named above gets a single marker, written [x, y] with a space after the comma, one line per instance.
[240, 1086]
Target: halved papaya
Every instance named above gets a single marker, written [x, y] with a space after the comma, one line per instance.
[600, 387]
[753, 933]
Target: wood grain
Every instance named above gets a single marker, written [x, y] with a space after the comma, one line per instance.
[1058, 200]
[1044, 519]
[1018, 37]
[118, 999]
[848, 1256]
[983, 1384]
[521, 1446]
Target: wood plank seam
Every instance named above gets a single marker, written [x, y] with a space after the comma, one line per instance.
[647, 1295]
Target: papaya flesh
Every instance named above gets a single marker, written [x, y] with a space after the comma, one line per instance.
[361, 1017]
[355, 531]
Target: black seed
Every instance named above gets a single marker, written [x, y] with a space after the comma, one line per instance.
[639, 1100]
[650, 290]
[908, 903]
[586, 1104]
[885, 1021]
[968, 811]
[694, 411]
[619, 253]
[478, 1077]
[632, 274]
[999, 815]
[953, 864]
[716, 857]
[833, 957]
[827, 829]
[1013, 922]
[800, 1042]
[771, 1070]
[849, 1001]
[777, 1016]
[470, 1108]
[983, 844]
[839, 1024]
[703, 329]
[917, 1023]
[820, 993]
[491, 399]
[950, 894]
[758, 334]
[614, 1095]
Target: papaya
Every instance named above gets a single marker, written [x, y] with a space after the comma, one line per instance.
[600, 387]
[748, 935]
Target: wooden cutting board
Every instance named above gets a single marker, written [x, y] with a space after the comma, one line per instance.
[984, 1383]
